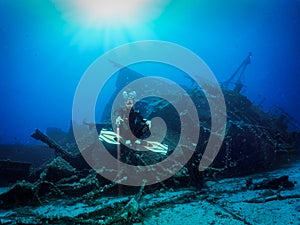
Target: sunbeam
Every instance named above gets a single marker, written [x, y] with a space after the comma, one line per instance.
[102, 23]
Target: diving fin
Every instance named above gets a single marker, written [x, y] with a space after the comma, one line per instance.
[156, 147]
[109, 137]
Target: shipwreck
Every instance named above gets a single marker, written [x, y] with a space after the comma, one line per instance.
[255, 141]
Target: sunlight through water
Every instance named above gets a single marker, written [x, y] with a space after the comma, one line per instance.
[106, 24]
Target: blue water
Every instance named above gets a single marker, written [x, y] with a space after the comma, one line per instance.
[44, 55]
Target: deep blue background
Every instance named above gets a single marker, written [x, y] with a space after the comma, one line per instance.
[43, 57]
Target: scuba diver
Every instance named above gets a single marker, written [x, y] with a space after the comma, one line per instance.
[132, 128]
[130, 119]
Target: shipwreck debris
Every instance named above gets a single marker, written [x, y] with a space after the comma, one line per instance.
[20, 194]
[12, 171]
[75, 160]
[274, 184]
[254, 142]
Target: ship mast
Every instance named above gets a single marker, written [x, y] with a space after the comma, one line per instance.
[238, 75]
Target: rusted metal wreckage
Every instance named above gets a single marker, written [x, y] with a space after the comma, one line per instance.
[255, 141]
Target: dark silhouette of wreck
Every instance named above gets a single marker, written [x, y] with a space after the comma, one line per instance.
[255, 141]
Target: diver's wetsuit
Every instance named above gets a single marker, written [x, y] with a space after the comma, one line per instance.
[136, 123]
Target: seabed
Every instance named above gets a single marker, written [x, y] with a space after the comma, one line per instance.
[226, 201]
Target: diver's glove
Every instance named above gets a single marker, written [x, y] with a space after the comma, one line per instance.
[119, 120]
[148, 123]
